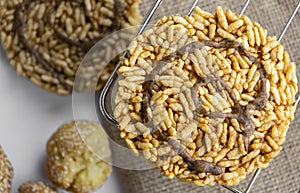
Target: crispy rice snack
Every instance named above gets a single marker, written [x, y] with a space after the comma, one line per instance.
[46, 40]
[208, 98]
[36, 187]
[71, 163]
[6, 173]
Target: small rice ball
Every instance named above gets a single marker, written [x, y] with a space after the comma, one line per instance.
[6, 173]
[78, 156]
[36, 187]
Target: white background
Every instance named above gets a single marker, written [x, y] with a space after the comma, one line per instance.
[28, 117]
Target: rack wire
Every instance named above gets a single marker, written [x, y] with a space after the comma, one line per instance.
[101, 104]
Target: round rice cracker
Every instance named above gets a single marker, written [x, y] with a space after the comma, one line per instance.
[208, 98]
[46, 41]
[6, 173]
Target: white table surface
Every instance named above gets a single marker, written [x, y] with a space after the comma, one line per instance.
[29, 115]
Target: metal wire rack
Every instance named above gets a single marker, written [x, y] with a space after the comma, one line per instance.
[101, 104]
